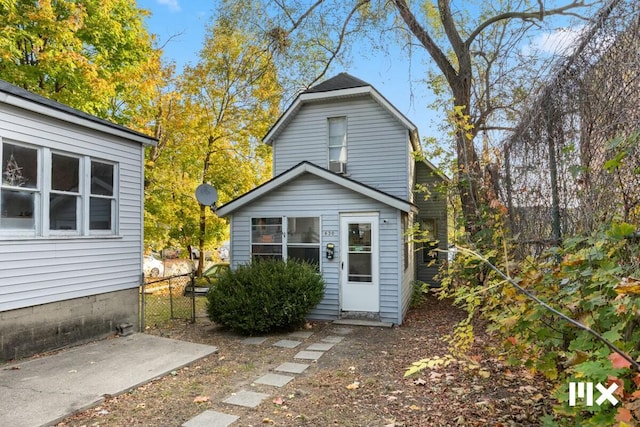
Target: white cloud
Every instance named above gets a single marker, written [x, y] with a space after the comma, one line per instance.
[560, 41]
[173, 5]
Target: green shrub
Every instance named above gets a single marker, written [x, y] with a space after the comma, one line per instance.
[265, 295]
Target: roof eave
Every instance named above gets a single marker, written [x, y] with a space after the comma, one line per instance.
[308, 97]
[78, 119]
[306, 167]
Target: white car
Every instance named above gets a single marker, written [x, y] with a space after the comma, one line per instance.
[152, 266]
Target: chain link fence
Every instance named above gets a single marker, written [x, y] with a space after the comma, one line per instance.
[573, 161]
[164, 299]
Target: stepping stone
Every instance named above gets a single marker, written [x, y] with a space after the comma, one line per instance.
[275, 380]
[321, 346]
[343, 331]
[309, 355]
[248, 399]
[292, 368]
[254, 340]
[211, 419]
[287, 343]
[332, 339]
[301, 334]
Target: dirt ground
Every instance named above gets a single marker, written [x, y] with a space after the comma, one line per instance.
[359, 382]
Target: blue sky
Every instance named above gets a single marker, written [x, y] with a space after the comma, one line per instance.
[186, 20]
[388, 74]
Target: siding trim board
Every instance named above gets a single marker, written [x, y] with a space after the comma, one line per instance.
[306, 167]
[311, 97]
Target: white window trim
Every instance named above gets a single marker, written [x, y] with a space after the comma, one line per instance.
[285, 241]
[346, 139]
[43, 192]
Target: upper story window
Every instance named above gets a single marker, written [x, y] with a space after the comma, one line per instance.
[47, 193]
[337, 144]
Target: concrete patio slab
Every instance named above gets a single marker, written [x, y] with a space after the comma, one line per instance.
[275, 380]
[321, 346]
[362, 322]
[308, 355]
[287, 343]
[44, 391]
[292, 368]
[211, 418]
[248, 399]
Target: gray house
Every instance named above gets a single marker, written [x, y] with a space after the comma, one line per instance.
[71, 208]
[342, 196]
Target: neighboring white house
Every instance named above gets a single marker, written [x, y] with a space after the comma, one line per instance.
[342, 196]
[71, 234]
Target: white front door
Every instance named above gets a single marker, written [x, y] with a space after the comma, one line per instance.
[360, 287]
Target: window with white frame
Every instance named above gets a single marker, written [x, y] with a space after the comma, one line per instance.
[301, 240]
[45, 192]
[337, 143]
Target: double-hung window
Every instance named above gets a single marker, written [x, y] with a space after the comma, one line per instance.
[20, 192]
[337, 144]
[286, 238]
[49, 193]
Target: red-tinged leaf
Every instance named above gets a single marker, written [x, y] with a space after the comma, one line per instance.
[635, 395]
[623, 415]
[618, 361]
[512, 340]
[278, 401]
[636, 380]
[201, 399]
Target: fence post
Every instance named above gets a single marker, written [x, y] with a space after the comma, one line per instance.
[553, 175]
[143, 305]
[192, 277]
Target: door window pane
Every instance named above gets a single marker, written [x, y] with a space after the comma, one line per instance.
[65, 173]
[17, 210]
[19, 166]
[359, 253]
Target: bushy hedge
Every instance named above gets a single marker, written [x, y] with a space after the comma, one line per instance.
[265, 295]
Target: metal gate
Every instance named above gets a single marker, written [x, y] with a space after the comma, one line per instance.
[163, 299]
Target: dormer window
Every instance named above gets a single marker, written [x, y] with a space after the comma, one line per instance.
[338, 144]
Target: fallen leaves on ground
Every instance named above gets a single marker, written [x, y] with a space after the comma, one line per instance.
[360, 381]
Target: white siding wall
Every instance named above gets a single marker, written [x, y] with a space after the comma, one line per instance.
[377, 143]
[44, 270]
[312, 196]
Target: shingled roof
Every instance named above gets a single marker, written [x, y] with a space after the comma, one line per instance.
[341, 81]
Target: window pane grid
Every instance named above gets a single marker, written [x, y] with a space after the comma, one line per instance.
[68, 199]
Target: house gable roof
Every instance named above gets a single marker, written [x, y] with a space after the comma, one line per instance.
[341, 81]
[341, 86]
[22, 98]
[310, 168]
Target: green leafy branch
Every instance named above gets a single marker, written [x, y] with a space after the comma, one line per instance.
[568, 319]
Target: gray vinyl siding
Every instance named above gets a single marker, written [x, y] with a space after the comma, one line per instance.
[377, 143]
[313, 196]
[435, 207]
[49, 269]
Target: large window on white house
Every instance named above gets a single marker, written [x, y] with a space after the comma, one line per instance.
[102, 203]
[301, 240]
[20, 189]
[337, 144]
[49, 193]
